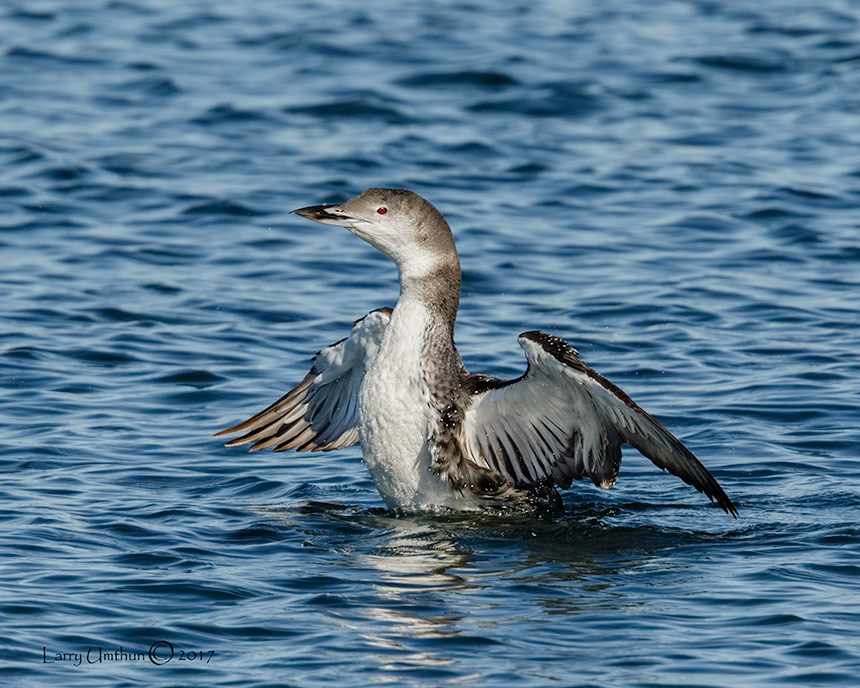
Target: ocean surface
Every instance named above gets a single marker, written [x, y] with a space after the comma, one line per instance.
[673, 187]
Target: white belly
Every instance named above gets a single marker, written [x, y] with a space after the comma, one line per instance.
[395, 413]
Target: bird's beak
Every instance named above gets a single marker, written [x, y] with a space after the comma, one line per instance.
[324, 214]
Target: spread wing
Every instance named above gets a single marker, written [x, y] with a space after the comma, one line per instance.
[563, 421]
[321, 412]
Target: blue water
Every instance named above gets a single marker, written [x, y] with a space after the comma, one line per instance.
[673, 187]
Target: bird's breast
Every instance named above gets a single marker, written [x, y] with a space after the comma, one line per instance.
[395, 415]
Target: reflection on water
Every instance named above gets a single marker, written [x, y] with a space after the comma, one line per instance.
[411, 577]
[415, 563]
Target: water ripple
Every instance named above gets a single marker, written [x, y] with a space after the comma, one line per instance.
[670, 186]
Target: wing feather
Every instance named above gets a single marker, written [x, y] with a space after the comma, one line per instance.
[321, 412]
[563, 421]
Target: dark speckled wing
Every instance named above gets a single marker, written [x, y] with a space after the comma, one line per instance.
[321, 412]
[563, 421]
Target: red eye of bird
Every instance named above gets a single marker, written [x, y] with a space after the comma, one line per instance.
[382, 211]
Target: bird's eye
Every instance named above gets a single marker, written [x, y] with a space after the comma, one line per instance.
[382, 210]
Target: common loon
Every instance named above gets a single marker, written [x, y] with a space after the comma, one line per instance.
[435, 436]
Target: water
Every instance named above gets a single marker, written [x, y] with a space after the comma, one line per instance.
[673, 187]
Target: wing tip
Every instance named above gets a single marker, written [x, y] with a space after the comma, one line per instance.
[727, 505]
[715, 493]
[228, 431]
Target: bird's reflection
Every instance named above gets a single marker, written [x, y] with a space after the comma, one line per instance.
[426, 583]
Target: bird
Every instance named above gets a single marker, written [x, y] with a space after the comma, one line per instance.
[434, 436]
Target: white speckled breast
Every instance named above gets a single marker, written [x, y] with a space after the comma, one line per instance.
[395, 412]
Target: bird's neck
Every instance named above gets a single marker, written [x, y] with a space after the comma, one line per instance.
[436, 288]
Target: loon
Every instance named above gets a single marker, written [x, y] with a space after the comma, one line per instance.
[434, 436]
